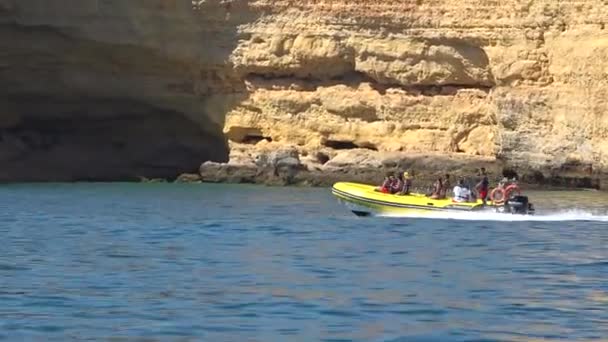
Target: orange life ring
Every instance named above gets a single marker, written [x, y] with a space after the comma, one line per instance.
[509, 190]
[494, 193]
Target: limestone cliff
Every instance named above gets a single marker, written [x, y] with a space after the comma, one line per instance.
[522, 83]
[515, 85]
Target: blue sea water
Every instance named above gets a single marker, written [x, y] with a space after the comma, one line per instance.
[167, 262]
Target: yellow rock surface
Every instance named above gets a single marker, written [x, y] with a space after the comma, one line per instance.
[523, 83]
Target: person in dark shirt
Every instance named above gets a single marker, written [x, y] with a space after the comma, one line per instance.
[437, 188]
[447, 186]
[397, 184]
[407, 183]
[483, 186]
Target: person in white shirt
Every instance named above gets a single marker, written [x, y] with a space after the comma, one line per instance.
[461, 193]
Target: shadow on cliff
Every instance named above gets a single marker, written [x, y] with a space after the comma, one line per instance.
[129, 90]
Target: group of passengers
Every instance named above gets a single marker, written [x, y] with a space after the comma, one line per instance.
[462, 192]
[399, 185]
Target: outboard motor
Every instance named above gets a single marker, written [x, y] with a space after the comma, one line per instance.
[519, 205]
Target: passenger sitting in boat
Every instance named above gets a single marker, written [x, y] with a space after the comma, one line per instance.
[386, 184]
[471, 194]
[437, 187]
[397, 185]
[461, 193]
[407, 184]
[447, 186]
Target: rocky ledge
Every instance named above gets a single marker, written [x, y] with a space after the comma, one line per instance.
[275, 164]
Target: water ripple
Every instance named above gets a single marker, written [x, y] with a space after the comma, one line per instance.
[225, 263]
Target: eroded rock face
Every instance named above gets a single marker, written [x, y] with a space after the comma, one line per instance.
[517, 84]
[523, 83]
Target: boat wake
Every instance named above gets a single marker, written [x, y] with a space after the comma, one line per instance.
[555, 216]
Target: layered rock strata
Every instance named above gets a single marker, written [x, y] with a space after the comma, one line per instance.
[354, 87]
[518, 85]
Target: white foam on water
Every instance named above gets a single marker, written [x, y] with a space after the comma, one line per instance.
[555, 216]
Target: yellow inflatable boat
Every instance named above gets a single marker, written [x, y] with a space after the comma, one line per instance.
[364, 200]
[364, 197]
